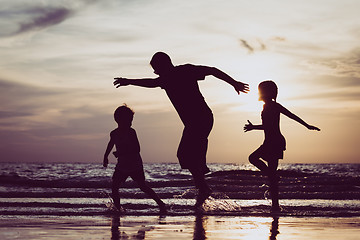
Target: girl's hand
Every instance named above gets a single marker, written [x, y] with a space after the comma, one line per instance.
[119, 81]
[248, 127]
[313, 128]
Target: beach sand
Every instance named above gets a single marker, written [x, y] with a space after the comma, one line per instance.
[179, 227]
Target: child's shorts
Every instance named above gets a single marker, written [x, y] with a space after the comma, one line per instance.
[121, 176]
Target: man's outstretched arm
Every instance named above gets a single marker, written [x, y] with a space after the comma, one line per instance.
[239, 86]
[145, 82]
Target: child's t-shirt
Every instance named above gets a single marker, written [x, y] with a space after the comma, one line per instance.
[127, 149]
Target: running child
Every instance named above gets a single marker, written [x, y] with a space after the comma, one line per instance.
[125, 140]
[274, 144]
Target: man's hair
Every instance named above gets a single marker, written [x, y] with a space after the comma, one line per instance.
[269, 89]
[123, 113]
[159, 59]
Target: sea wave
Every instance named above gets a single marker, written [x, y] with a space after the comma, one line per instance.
[83, 189]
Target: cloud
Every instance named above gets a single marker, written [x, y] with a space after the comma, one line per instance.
[17, 90]
[42, 18]
[335, 95]
[342, 71]
[10, 114]
[256, 45]
[262, 45]
[20, 17]
[278, 39]
[339, 81]
[246, 45]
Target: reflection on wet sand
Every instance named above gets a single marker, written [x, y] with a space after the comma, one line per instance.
[274, 230]
[236, 227]
[200, 227]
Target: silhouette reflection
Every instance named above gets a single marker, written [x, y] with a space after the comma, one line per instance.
[274, 229]
[205, 227]
[199, 229]
[115, 232]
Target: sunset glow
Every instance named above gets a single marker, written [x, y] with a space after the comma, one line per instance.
[59, 58]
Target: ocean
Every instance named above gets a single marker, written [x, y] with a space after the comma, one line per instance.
[78, 189]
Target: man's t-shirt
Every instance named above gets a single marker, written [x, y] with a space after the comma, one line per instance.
[182, 88]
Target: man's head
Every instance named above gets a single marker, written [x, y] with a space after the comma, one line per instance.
[161, 63]
[124, 116]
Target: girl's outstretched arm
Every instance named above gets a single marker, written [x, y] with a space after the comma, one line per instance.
[145, 82]
[298, 119]
[248, 127]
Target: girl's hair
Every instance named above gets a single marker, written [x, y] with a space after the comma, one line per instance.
[269, 89]
[124, 112]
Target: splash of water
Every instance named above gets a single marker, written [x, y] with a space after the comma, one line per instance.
[111, 206]
[190, 193]
[218, 205]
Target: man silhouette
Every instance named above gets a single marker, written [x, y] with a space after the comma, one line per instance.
[181, 86]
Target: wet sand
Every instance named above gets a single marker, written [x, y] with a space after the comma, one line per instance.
[179, 227]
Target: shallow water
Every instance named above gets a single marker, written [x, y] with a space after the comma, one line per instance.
[83, 190]
[179, 227]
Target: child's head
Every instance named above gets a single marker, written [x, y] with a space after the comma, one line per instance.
[161, 63]
[267, 91]
[124, 116]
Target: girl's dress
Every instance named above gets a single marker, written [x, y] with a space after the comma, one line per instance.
[274, 144]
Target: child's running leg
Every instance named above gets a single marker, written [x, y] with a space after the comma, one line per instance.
[139, 178]
[274, 184]
[118, 179]
[151, 193]
[115, 194]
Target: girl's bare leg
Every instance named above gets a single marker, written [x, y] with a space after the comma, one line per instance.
[254, 159]
[274, 183]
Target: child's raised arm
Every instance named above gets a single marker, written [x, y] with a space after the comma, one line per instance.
[298, 119]
[107, 152]
[248, 127]
[145, 82]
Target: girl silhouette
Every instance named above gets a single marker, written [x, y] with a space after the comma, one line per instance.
[274, 144]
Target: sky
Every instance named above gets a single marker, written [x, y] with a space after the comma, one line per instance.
[59, 58]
